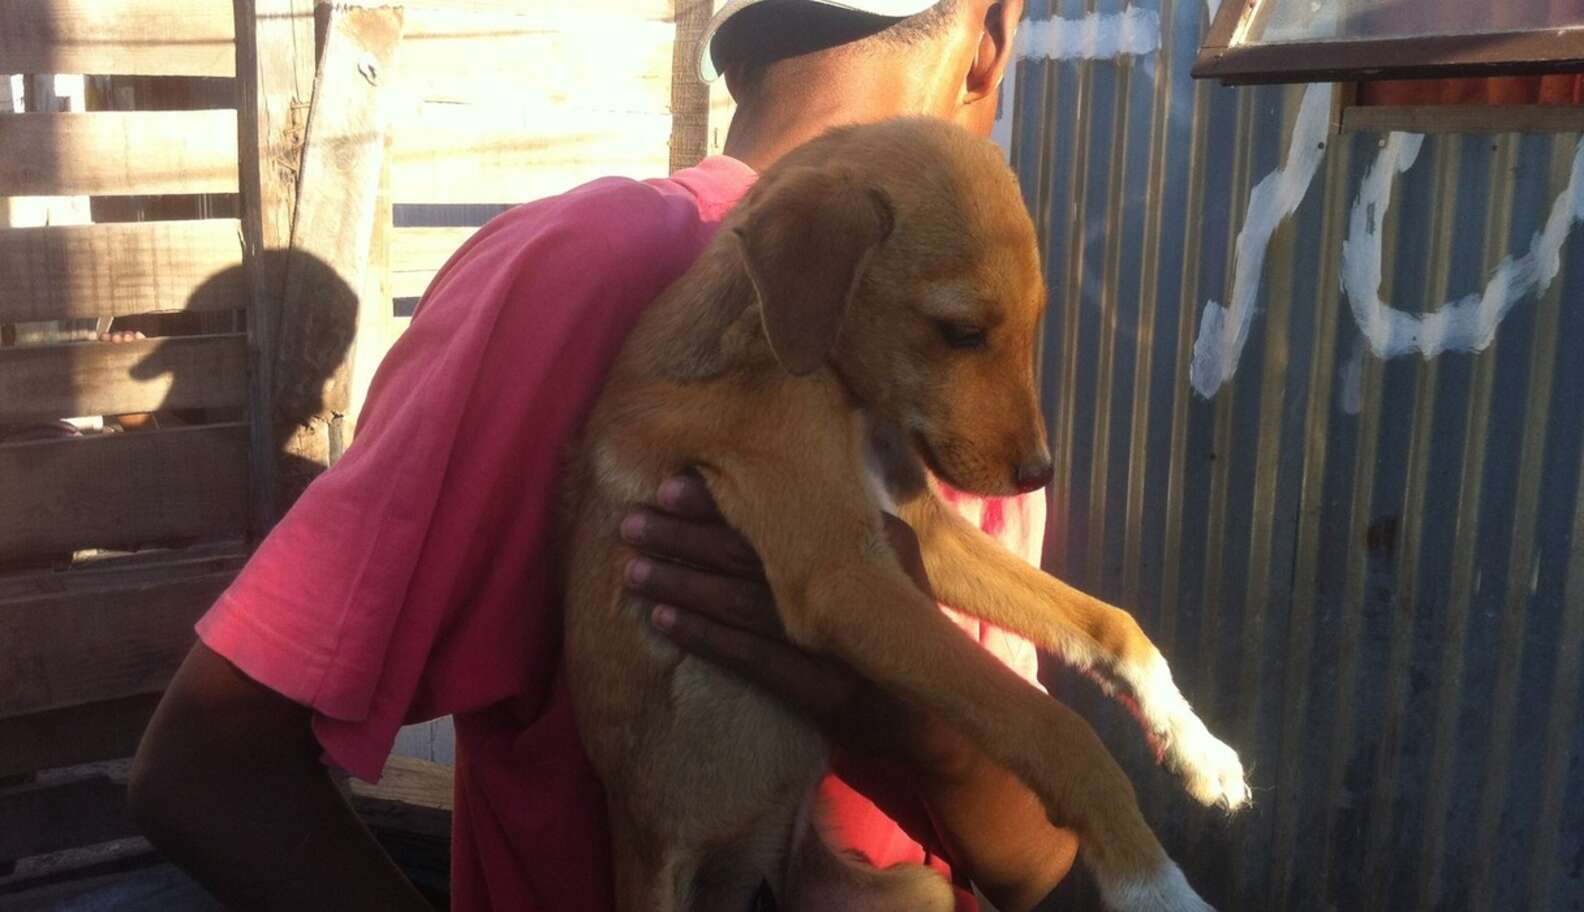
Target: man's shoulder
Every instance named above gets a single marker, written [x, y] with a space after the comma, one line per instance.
[618, 223]
[604, 236]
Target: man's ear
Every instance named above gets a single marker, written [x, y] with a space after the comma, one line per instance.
[994, 53]
[805, 243]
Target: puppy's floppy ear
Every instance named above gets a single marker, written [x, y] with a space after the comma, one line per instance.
[805, 242]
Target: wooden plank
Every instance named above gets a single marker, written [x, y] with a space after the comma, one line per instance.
[409, 780]
[418, 253]
[108, 729]
[1515, 53]
[46, 93]
[65, 650]
[1463, 118]
[425, 249]
[557, 59]
[50, 882]
[76, 734]
[275, 73]
[412, 796]
[70, 271]
[484, 154]
[411, 284]
[332, 233]
[57, 817]
[117, 378]
[110, 153]
[127, 875]
[124, 37]
[79, 807]
[122, 491]
[119, 571]
[409, 812]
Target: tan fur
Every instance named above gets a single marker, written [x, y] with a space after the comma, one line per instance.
[822, 299]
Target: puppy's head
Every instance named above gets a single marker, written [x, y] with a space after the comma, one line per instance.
[900, 255]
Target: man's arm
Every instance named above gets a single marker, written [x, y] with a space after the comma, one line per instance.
[229, 784]
[993, 825]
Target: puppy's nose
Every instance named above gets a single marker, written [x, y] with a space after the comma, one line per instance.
[1033, 474]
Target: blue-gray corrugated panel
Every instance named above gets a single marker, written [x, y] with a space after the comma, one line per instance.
[1368, 574]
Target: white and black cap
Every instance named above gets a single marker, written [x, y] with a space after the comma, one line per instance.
[892, 9]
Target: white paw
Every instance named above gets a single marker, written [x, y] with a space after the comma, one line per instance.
[1165, 891]
[1211, 771]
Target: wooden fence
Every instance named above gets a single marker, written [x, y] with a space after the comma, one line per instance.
[112, 543]
[265, 309]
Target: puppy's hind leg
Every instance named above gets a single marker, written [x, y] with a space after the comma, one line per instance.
[972, 573]
[649, 877]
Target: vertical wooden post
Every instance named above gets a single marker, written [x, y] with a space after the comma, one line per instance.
[275, 74]
[332, 233]
[377, 327]
[690, 96]
[700, 111]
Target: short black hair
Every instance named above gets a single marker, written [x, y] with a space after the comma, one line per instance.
[920, 26]
[776, 29]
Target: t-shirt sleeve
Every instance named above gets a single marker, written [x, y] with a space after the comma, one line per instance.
[414, 578]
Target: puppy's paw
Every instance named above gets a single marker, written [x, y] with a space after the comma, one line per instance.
[1211, 771]
[1166, 890]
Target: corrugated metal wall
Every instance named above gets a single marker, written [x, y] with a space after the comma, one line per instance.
[1368, 574]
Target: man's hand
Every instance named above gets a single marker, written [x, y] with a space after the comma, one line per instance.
[709, 595]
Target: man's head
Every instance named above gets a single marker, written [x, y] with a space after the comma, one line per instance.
[797, 67]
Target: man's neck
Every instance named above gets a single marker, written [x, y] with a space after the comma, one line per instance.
[758, 137]
[787, 115]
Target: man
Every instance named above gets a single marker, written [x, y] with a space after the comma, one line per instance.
[416, 578]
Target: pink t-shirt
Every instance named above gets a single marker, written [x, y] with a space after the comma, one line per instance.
[413, 581]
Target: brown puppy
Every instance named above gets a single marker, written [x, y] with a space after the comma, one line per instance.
[868, 309]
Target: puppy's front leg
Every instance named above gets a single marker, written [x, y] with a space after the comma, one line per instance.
[972, 573]
[840, 591]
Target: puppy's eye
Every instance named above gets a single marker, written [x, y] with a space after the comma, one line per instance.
[961, 335]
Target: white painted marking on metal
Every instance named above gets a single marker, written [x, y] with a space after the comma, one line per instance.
[1469, 323]
[1223, 331]
[1133, 32]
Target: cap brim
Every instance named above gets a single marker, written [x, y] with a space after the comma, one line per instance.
[891, 9]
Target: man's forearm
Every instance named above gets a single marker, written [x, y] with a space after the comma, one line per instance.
[289, 844]
[229, 785]
[996, 829]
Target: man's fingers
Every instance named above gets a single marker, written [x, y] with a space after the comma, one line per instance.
[807, 684]
[709, 545]
[689, 497]
[741, 603]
